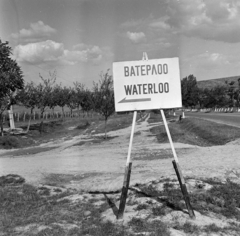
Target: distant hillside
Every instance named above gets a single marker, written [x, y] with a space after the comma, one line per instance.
[214, 82]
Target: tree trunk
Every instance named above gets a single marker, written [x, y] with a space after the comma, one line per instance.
[41, 124]
[29, 123]
[1, 121]
[105, 128]
[53, 113]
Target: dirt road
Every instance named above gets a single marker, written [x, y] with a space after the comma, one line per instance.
[100, 166]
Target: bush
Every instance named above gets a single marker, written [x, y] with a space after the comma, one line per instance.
[8, 142]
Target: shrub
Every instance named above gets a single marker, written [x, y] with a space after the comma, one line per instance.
[8, 142]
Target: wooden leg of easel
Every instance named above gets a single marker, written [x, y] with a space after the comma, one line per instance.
[184, 189]
[124, 190]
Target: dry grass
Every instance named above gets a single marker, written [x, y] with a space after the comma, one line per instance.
[198, 132]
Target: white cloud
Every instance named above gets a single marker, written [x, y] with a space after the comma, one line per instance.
[36, 32]
[214, 20]
[212, 58]
[50, 51]
[136, 37]
[160, 24]
[39, 52]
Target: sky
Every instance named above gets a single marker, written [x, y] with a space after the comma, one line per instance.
[79, 39]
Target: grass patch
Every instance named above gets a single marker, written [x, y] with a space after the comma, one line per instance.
[222, 198]
[115, 122]
[188, 228]
[154, 228]
[11, 179]
[52, 130]
[159, 211]
[24, 212]
[197, 132]
[141, 207]
[212, 228]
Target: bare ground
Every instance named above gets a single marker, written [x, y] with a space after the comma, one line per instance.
[100, 166]
[84, 164]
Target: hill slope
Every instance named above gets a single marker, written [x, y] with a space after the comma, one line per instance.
[214, 82]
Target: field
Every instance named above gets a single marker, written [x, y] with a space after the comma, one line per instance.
[85, 202]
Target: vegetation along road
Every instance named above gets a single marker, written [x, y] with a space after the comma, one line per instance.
[225, 118]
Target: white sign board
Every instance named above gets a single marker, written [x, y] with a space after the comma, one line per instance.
[147, 84]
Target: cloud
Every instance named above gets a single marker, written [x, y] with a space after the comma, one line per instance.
[37, 31]
[132, 23]
[40, 52]
[213, 20]
[213, 58]
[136, 37]
[50, 51]
[160, 24]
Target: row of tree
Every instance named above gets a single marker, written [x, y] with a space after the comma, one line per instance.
[50, 94]
[227, 95]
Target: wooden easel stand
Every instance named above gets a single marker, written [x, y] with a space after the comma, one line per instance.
[124, 190]
[178, 170]
[127, 172]
[184, 189]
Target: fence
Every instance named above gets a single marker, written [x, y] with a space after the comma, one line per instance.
[25, 116]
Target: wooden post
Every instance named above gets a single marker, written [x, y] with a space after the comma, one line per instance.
[127, 174]
[125, 187]
[11, 118]
[178, 170]
[184, 189]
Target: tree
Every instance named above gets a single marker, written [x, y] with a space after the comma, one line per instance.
[237, 94]
[28, 98]
[103, 97]
[231, 90]
[11, 79]
[43, 90]
[219, 94]
[71, 101]
[62, 97]
[80, 92]
[54, 97]
[87, 102]
[189, 91]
